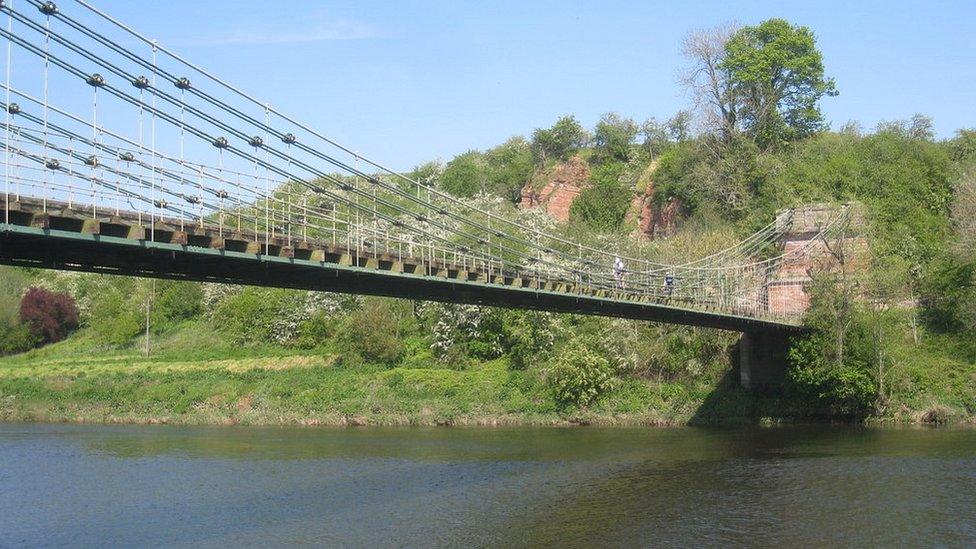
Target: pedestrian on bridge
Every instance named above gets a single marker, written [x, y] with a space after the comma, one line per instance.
[618, 271]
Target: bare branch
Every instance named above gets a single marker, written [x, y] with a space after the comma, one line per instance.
[714, 97]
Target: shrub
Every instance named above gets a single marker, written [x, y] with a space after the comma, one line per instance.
[314, 330]
[603, 205]
[463, 331]
[49, 316]
[374, 332]
[949, 296]
[118, 315]
[16, 338]
[246, 316]
[176, 301]
[526, 335]
[466, 175]
[823, 388]
[578, 377]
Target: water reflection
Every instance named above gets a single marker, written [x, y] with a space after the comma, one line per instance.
[182, 486]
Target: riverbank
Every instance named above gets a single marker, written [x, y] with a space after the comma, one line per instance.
[307, 390]
[219, 384]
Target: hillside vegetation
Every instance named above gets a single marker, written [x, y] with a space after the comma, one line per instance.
[893, 342]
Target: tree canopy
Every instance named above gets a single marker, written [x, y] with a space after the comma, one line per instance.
[614, 136]
[777, 72]
[559, 142]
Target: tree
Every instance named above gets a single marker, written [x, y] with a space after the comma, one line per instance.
[679, 127]
[656, 138]
[466, 175]
[50, 316]
[578, 376]
[560, 141]
[659, 136]
[603, 205]
[919, 127]
[709, 79]
[963, 146]
[427, 173]
[510, 167]
[375, 332]
[614, 136]
[777, 76]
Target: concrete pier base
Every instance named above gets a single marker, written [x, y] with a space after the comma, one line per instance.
[763, 360]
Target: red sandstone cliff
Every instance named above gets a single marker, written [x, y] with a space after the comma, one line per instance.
[557, 188]
[652, 219]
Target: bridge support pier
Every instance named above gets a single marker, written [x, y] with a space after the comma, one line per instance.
[763, 360]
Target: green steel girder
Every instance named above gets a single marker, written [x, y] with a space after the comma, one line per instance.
[68, 250]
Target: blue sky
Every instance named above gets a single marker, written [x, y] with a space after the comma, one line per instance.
[410, 81]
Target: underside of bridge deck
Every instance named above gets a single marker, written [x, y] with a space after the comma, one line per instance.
[80, 251]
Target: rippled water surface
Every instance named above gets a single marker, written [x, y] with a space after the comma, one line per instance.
[201, 486]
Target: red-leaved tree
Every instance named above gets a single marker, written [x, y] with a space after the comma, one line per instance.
[50, 316]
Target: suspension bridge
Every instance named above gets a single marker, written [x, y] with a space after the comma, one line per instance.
[121, 156]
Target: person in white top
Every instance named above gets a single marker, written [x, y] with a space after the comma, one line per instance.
[618, 271]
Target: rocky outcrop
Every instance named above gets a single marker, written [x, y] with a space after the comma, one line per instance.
[556, 189]
[652, 219]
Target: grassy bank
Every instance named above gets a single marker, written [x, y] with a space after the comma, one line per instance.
[306, 389]
[196, 377]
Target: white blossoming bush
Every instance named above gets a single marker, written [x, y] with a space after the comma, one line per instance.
[257, 315]
[290, 322]
[461, 330]
[214, 293]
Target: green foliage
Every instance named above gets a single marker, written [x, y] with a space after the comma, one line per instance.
[16, 338]
[963, 146]
[13, 282]
[427, 173]
[375, 332]
[845, 391]
[949, 296]
[118, 314]
[697, 176]
[559, 142]
[174, 302]
[315, 330]
[614, 137]
[603, 205]
[839, 367]
[578, 377]
[778, 74]
[676, 177]
[919, 127]
[510, 167]
[659, 137]
[465, 175]
[246, 316]
[527, 336]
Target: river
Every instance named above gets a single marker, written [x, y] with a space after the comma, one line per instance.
[85, 485]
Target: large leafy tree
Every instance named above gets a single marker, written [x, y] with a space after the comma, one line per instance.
[777, 74]
[510, 167]
[614, 136]
[465, 175]
[560, 141]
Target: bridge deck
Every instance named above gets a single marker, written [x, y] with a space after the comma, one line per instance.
[53, 234]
